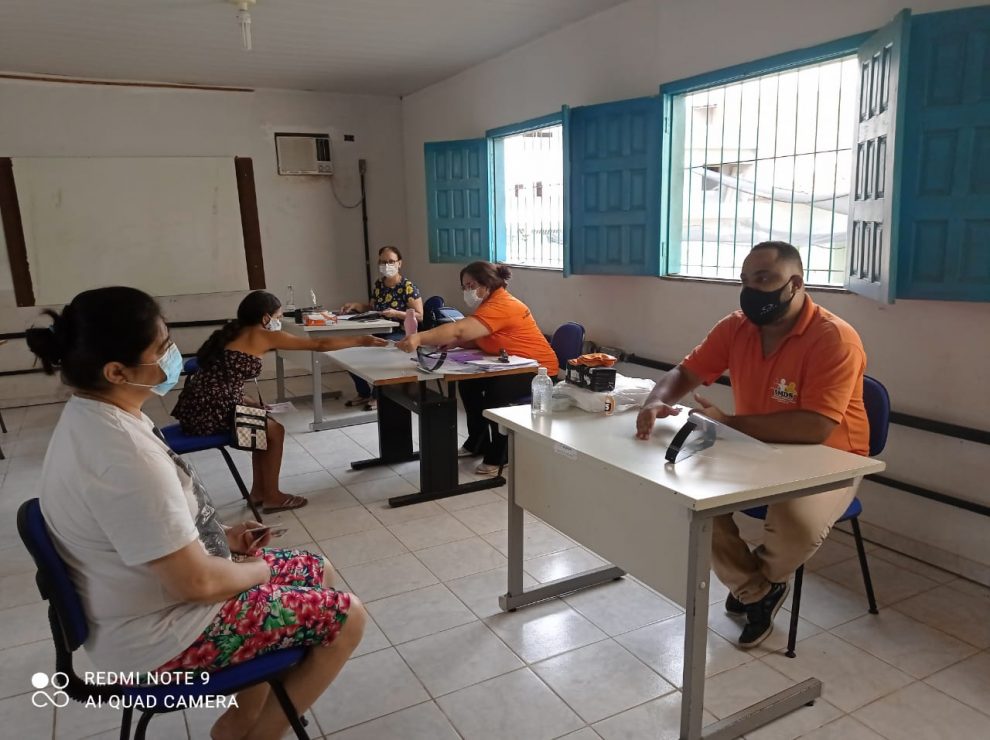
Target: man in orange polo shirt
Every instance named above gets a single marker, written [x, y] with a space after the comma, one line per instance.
[797, 377]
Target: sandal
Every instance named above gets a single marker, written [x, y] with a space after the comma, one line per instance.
[371, 405]
[288, 503]
[359, 401]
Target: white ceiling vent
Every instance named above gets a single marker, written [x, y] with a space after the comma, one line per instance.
[303, 154]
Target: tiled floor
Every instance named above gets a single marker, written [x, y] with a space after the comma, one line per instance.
[439, 660]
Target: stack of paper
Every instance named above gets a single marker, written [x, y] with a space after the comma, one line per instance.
[493, 363]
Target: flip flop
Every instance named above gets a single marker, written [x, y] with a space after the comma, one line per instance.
[357, 402]
[289, 502]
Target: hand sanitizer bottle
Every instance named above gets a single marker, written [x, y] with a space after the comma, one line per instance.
[410, 324]
[542, 392]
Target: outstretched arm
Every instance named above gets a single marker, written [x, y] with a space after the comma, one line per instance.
[671, 388]
[456, 333]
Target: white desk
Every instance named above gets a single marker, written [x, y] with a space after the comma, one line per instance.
[404, 391]
[313, 361]
[588, 476]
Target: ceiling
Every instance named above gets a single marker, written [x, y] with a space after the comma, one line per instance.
[391, 47]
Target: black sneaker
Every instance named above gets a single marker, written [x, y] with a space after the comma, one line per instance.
[759, 616]
[733, 606]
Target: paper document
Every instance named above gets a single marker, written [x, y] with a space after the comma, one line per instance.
[493, 363]
[286, 407]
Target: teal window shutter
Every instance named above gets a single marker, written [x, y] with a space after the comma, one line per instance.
[613, 191]
[877, 153]
[458, 200]
[945, 213]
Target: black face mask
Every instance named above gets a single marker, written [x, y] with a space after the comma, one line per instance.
[764, 306]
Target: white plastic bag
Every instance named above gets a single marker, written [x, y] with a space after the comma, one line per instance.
[629, 393]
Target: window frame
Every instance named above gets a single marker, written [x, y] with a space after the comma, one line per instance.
[671, 99]
[496, 168]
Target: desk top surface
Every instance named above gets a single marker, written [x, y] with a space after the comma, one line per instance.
[390, 366]
[733, 471]
[368, 327]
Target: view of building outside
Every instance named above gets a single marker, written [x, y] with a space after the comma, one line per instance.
[533, 194]
[769, 158]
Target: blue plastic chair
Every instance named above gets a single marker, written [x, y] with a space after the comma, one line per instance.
[567, 342]
[431, 305]
[877, 403]
[183, 444]
[70, 631]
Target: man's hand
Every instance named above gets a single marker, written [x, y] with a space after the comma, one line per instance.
[370, 341]
[712, 411]
[648, 416]
[410, 343]
[242, 540]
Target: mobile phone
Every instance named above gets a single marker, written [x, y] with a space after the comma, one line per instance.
[258, 532]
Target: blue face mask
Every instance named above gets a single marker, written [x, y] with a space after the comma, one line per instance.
[170, 364]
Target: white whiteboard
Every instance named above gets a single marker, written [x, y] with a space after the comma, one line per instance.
[167, 225]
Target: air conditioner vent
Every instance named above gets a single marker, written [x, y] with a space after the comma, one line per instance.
[304, 154]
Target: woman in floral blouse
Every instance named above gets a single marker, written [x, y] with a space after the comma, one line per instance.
[392, 296]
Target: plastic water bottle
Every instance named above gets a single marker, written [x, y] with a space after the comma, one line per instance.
[542, 390]
[410, 324]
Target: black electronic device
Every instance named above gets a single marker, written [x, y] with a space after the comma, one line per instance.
[596, 379]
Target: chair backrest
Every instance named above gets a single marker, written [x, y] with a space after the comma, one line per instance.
[432, 304]
[877, 402]
[53, 576]
[567, 342]
[446, 315]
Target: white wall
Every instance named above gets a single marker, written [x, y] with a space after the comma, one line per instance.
[934, 357]
[309, 241]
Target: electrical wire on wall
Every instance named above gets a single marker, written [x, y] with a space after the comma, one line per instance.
[342, 204]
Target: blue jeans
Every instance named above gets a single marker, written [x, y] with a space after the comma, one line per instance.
[360, 384]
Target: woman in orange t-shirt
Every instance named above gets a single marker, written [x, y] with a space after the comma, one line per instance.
[500, 321]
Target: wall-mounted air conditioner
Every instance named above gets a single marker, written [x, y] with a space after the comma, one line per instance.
[303, 154]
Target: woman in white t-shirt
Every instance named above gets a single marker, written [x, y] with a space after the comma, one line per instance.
[141, 537]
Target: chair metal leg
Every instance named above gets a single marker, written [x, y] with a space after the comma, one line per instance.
[867, 581]
[125, 724]
[795, 611]
[142, 725]
[295, 721]
[3, 424]
[240, 482]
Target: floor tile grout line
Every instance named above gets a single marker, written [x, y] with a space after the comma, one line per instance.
[956, 698]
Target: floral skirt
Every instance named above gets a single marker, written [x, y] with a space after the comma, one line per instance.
[294, 609]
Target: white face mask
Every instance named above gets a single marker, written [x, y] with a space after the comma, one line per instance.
[471, 298]
[274, 325]
[388, 270]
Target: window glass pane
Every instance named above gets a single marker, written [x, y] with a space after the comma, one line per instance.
[532, 217]
[765, 159]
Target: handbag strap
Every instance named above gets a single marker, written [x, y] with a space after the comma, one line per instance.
[258, 389]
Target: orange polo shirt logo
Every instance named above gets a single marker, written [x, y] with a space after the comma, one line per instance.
[785, 392]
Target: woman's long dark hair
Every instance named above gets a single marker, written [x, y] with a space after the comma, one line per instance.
[104, 325]
[252, 310]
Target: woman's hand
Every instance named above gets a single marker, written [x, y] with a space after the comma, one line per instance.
[241, 539]
[410, 343]
[393, 313]
[370, 341]
[349, 307]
